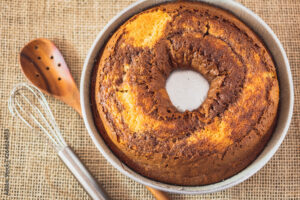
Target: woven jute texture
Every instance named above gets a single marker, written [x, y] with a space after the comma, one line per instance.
[30, 169]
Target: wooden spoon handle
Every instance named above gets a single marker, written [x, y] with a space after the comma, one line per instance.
[159, 195]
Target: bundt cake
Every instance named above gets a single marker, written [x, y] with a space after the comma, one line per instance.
[136, 118]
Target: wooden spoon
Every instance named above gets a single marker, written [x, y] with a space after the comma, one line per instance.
[45, 67]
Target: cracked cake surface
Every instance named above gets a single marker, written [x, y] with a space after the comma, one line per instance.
[136, 118]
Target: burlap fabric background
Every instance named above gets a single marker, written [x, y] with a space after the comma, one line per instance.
[30, 169]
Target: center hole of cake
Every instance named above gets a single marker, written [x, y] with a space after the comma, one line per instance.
[187, 89]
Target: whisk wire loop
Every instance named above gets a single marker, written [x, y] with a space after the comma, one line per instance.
[29, 104]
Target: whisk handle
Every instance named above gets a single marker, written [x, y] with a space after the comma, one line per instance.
[82, 174]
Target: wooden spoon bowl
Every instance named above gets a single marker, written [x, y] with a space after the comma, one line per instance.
[44, 65]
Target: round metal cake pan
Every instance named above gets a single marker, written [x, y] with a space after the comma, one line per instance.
[285, 105]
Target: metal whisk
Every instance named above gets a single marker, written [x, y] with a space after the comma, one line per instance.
[29, 104]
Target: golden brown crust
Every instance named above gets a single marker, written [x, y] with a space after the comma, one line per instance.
[137, 119]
